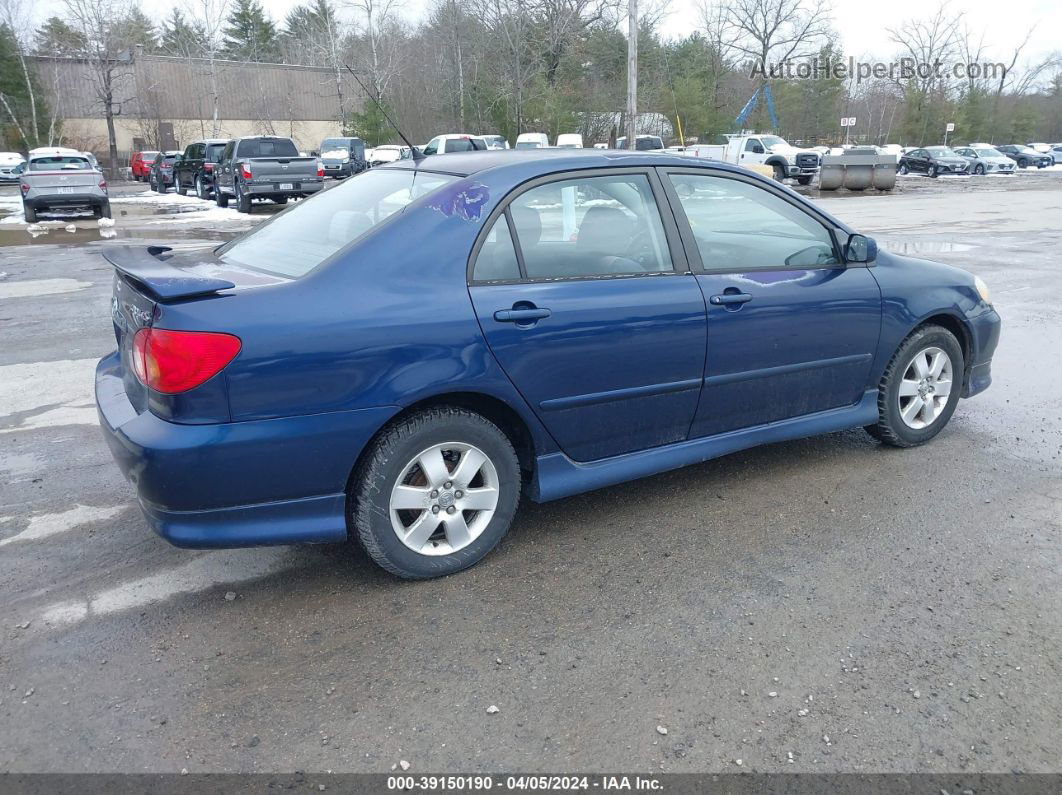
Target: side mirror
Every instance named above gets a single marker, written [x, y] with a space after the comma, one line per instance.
[860, 248]
[757, 149]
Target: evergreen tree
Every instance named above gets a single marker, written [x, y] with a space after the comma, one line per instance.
[181, 37]
[136, 29]
[56, 37]
[251, 35]
[18, 128]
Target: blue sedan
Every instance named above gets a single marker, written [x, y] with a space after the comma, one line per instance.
[401, 357]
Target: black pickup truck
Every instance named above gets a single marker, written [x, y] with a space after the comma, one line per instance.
[264, 167]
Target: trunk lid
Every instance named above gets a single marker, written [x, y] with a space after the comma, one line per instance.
[146, 278]
[281, 169]
[62, 179]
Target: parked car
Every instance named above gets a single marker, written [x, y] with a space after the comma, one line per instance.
[1056, 153]
[264, 167]
[555, 357]
[343, 157]
[11, 164]
[389, 153]
[495, 141]
[569, 141]
[933, 161]
[194, 169]
[1042, 148]
[986, 160]
[532, 140]
[160, 175]
[454, 142]
[51, 182]
[757, 149]
[643, 143]
[140, 164]
[1026, 156]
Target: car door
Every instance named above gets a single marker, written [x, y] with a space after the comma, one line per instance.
[753, 152]
[584, 297]
[918, 161]
[791, 329]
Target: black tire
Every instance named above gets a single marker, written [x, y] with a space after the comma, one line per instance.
[779, 173]
[387, 460]
[932, 171]
[102, 210]
[902, 169]
[979, 170]
[1023, 163]
[152, 185]
[220, 197]
[804, 180]
[178, 188]
[243, 201]
[890, 428]
[201, 189]
[30, 213]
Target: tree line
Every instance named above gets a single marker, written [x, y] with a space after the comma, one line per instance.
[553, 66]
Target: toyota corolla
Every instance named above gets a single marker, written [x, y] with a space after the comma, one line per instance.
[400, 358]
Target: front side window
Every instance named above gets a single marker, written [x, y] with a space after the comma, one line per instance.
[432, 147]
[751, 144]
[739, 226]
[295, 242]
[592, 226]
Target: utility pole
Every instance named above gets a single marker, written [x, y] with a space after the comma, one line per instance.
[632, 71]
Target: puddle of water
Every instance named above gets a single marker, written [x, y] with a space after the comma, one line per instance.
[906, 246]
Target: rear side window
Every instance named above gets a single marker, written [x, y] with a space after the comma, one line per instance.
[739, 226]
[213, 152]
[295, 242]
[497, 257]
[593, 226]
[267, 147]
[459, 145]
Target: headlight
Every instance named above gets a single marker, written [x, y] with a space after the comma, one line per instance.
[982, 289]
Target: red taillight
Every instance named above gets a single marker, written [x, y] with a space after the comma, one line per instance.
[208, 167]
[24, 186]
[176, 361]
[320, 168]
[103, 184]
[246, 171]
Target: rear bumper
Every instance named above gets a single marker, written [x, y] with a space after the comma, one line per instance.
[47, 200]
[279, 481]
[271, 189]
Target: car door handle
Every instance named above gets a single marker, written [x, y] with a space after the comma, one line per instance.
[730, 298]
[521, 315]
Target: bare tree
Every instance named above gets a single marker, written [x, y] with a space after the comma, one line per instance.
[379, 29]
[210, 16]
[108, 57]
[776, 31]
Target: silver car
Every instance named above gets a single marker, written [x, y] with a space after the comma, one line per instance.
[986, 160]
[62, 181]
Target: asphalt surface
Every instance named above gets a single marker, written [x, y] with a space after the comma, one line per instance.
[819, 605]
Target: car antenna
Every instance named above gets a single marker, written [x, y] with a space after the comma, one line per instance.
[415, 153]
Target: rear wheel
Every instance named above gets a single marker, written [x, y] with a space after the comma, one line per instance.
[201, 189]
[243, 201]
[436, 492]
[178, 188]
[902, 169]
[920, 388]
[102, 210]
[281, 200]
[30, 213]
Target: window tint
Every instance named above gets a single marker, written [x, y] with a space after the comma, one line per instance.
[294, 243]
[459, 145]
[213, 152]
[267, 147]
[432, 147]
[751, 144]
[497, 258]
[595, 226]
[59, 163]
[739, 226]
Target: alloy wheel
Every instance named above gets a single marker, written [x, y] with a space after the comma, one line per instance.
[444, 498]
[925, 388]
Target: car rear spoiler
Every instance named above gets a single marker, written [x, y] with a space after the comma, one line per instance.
[161, 280]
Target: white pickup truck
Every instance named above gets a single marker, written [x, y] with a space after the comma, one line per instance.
[763, 150]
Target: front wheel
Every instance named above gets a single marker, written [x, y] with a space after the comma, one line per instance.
[435, 493]
[779, 173]
[979, 170]
[29, 213]
[932, 171]
[220, 197]
[902, 169]
[201, 189]
[804, 180]
[1023, 163]
[920, 388]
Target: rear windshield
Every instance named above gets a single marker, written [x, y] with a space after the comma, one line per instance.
[295, 242]
[213, 152]
[148, 155]
[267, 147]
[648, 144]
[59, 163]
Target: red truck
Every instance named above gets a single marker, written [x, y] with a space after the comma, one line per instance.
[140, 165]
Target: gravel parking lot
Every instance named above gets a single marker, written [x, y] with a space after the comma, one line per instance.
[819, 605]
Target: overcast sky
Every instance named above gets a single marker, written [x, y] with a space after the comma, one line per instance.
[859, 22]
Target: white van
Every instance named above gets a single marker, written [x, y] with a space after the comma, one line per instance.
[569, 141]
[532, 141]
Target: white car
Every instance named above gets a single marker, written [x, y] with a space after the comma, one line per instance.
[454, 142]
[1042, 148]
[643, 143]
[985, 160]
[388, 153]
[1056, 153]
[532, 141]
[569, 141]
[10, 163]
[495, 141]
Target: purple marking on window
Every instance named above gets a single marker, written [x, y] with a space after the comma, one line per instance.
[463, 199]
